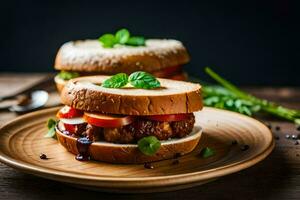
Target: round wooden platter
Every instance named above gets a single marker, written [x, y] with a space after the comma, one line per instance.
[22, 141]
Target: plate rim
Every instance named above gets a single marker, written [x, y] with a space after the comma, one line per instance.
[175, 179]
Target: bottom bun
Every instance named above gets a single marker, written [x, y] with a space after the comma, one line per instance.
[60, 83]
[129, 153]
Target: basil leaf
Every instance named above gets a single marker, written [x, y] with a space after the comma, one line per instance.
[108, 40]
[149, 145]
[67, 75]
[122, 36]
[51, 123]
[51, 133]
[143, 80]
[116, 81]
[136, 41]
[207, 152]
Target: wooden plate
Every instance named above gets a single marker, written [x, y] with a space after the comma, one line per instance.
[22, 141]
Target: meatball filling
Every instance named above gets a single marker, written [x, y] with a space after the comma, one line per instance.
[136, 130]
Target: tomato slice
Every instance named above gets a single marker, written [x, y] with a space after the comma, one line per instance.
[69, 112]
[70, 124]
[70, 128]
[168, 118]
[169, 71]
[109, 121]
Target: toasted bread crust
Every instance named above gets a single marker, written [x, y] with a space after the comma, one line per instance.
[90, 56]
[172, 98]
[130, 154]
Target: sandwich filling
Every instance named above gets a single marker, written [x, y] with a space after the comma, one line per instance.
[175, 73]
[123, 129]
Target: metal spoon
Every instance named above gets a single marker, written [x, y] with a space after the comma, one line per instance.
[38, 99]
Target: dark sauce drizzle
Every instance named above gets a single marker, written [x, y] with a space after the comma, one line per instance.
[83, 145]
[148, 166]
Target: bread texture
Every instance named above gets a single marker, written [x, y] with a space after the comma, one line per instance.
[90, 56]
[129, 153]
[173, 97]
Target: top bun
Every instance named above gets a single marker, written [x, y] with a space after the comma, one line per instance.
[173, 97]
[90, 56]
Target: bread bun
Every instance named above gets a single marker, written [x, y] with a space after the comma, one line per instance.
[173, 97]
[129, 153]
[90, 56]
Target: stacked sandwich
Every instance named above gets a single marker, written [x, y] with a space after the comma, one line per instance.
[112, 54]
[128, 119]
[131, 116]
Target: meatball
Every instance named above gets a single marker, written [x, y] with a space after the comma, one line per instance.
[138, 129]
[94, 133]
[183, 128]
[143, 127]
[80, 128]
[123, 134]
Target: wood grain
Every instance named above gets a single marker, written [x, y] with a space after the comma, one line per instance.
[22, 141]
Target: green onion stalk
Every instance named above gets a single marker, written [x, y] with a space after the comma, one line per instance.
[228, 96]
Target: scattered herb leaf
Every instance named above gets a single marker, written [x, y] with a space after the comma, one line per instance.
[136, 41]
[149, 145]
[67, 75]
[207, 152]
[51, 123]
[108, 40]
[116, 81]
[122, 36]
[143, 80]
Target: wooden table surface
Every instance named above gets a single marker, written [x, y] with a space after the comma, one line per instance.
[277, 177]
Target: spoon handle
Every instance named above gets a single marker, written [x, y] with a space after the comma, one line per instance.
[36, 86]
[4, 105]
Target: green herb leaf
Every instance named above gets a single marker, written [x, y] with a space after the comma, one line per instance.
[297, 121]
[116, 81]
[245, 103]
[108, 40]
[149, 145]
[67, 75]
[143, 80]
[51, 133]
[207, 152]
[136, 41]
[51, 123]
[122, 36]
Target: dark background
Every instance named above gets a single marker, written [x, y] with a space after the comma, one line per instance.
[249, 42]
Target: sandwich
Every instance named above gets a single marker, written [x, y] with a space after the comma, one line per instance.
[161, 57]
[128, 119]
